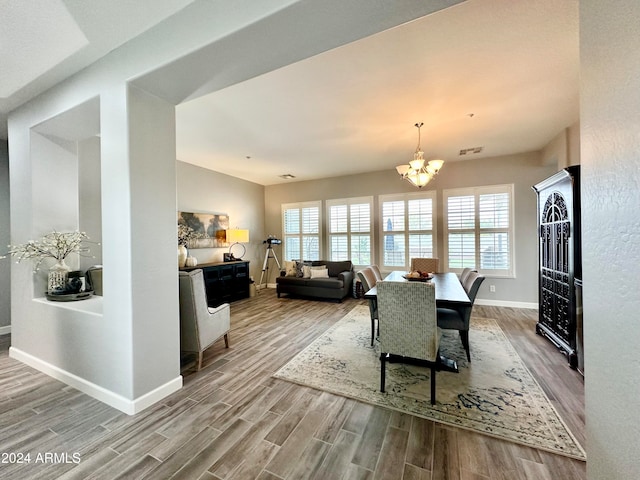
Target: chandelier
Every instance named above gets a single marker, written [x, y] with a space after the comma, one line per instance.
[417, 172]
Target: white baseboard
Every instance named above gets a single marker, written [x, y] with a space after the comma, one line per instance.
[505, 303]
[130, 407]
[5, 330]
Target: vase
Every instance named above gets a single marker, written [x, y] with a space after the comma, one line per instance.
[182, 255]
[58, 275]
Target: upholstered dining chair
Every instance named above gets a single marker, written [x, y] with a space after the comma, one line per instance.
[409, 332]
[369, 280]
[429, 265]
[200, 325]
[376, 272]
[465, 273]
[460, 318]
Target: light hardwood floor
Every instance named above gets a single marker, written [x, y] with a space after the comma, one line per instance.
[232, 420]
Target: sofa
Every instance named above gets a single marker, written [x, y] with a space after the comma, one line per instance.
[317, 279]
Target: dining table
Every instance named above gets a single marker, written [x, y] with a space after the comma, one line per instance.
[449, 294]
[449, 291]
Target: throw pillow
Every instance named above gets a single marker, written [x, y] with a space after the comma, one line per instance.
[300, 268]
[319, 273]
[290, 268]
[306, 269]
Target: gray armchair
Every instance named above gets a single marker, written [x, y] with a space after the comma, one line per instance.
[408, 328]
[200, 326]
[460, 318]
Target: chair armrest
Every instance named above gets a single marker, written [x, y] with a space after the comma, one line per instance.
[219, 308]
[346, 276]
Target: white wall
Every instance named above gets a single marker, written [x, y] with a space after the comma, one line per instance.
[609, 122]
[90, 194]
[5, 238]
[523, 170]
[123, 349]
[202, 190]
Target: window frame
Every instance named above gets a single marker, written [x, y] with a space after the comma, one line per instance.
[478, 230]
[406, 197]
[348, 202]
[300, 206]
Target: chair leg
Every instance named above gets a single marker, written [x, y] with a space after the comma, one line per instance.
[226, 340]
[383, 357]
[373, 330]
[464, 336]
[433, 385]
[200, 355]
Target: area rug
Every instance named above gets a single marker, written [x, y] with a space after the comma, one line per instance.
[495, 394]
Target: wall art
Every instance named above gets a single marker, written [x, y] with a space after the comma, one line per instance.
[204, 230]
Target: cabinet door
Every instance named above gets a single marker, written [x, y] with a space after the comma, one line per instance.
[241, 281]
[213, 286]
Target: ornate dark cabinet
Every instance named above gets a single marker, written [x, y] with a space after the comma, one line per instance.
[560, 259]
[224, 282]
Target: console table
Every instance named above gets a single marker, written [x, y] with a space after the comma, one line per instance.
[224, 282]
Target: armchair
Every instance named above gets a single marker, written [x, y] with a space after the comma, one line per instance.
[200, 326]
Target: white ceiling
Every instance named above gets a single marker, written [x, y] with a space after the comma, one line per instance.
[42, 42]
[513, 65]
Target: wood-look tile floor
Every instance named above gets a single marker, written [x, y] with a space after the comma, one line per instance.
[232, 420]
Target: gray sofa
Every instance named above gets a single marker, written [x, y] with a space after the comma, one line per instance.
[336, 287]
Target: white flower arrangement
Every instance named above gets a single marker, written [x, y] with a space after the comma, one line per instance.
[185, 234]
[56, 245]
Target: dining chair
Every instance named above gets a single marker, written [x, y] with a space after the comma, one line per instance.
[460, 318]
[465, 273]
[429, 265]
[369, 280]
[409, 331]
[376, 271]
[200, 325]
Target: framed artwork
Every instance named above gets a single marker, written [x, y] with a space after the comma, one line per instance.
[205, 230]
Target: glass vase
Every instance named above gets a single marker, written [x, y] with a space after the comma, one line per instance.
[58, 275]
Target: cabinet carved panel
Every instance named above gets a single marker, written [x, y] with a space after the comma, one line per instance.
[559, 258]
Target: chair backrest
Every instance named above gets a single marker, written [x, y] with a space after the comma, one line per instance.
[465, 273]
[429, 265]
[376, 272]
[193, 305]
[368, 278]
[408, 322]
[472, 284]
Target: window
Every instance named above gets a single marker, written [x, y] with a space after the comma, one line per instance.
[301, 225]
[407, 228]
[479, 229]
[349, 227]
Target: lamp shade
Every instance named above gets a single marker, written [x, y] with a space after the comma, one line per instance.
[237, 235]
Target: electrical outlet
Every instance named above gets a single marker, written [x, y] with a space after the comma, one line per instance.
[492, 288]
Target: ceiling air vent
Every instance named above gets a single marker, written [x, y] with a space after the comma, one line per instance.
[471, 151]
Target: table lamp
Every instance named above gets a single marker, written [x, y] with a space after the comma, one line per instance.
[236, 236]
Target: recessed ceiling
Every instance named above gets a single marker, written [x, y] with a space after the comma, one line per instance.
[515, 65]
[43, 34]
[45, 41]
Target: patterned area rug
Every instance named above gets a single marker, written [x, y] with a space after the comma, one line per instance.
[495, 394]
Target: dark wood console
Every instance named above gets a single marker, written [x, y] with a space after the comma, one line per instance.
[224, 282]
